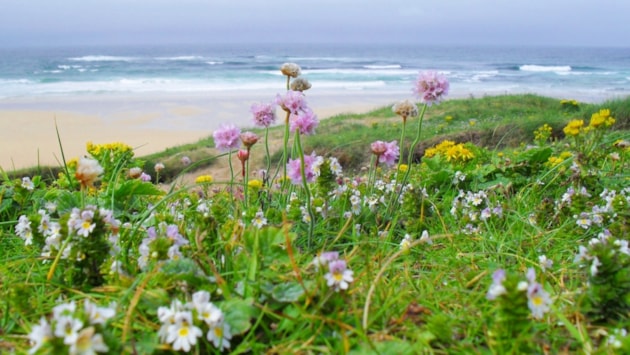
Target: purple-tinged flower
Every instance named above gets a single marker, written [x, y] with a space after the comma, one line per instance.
[378, 148]
[431, 87]
[305, 122]
[185, 161]
[325, 258]
[249, 139]
[294, 167]
[496, 288]
[145, 177]
[339, 276]
[390, 155]
[227, 137]
[292, 101]
[538, 299]
[264, 114]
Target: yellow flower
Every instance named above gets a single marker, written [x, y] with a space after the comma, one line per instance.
[403, 168]
[448, 118]
[203, 179]
[573, 128]
[255, 184]
[565, 155]
[472, 122]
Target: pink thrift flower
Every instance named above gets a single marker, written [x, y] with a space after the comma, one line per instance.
[378, 148]
[391, 154]
[264, 114]
[305, 121]
[227, 137]
[294, 169]
[431, 87]
[292, 101]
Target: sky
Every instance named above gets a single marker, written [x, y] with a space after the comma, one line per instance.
[448, 22]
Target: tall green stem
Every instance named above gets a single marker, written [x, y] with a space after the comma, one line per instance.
[309, 207]
[413, 145]
[231, 176]
[245, 181]
[401, 145]
[267, 172]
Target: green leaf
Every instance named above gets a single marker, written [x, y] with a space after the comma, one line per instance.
[287, 292]
[137, 188]
[238, 314]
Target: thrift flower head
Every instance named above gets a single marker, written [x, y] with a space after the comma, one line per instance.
[391, 154]
[294, 168]
[378, 148]
[405, 109]
[227, 137]
[431, 87]
[305, 122]
[158, 167]
[264, 114]
[300, 84]
[242, 155]
[290, 69]
[292, 101]
[185, 161]
[88, 171]
[249, 139]
[339, 276]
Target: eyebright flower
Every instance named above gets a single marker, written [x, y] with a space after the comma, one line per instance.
[264, 114]
[339, 276]
[496, 288]
[305, 122]
[227, 137]
[219, 334]
[538, 299]
[290, 69]
[259, 220]
[183, 333]
[88, 171]
[89, 343]
[431, 87]
[27, 183]
[39, 334]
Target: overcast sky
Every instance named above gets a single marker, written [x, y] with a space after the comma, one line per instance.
[487, 22]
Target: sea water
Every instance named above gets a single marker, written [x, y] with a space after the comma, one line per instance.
[585, 74]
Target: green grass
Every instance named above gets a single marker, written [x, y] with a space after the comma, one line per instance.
[428, 298]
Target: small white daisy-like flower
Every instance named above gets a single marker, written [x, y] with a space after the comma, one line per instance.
[538, 299]
[210, 314]
[183, 334]
[425, 238]
[23, 230]
[544, 262]
[39, 334]
[259, 220]
[89, 343]
[68, 328]
[496, 288]
[219, 335]
[583, 220]
[405, 243]
[595, 266]
[27, 183]
[98, 315]
[339, 276]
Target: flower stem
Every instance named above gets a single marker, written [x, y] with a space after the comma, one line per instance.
[414, 144]
[306, 188]
[266, 177]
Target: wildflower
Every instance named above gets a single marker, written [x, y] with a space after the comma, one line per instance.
[84, 225]
[242, 155]
[27, 183]
[255, 184]
[294, 167]
[88, 343]
[264, 114]
[290, 69]
[573, 128]
[339, 276]
[425, 238]
[96, 314]
[405, 243]
[300, 84]
[391, 153]
[538, 299]
[145, 177]
[259, 219]
[183, 333]
[185, 160]
[544, 262]
[496, 288]
[134, 172]
[227, 137]
[601, 118]
[304, 122]
[403, 168]
[325, 258]
[88, 171]
[23, 230]
[595, 266]
[220, 335]
[67, 328]
[39, 334]
[203, 179]
[249, 139]
[405, 109]
[431, 87]
[210, 314]
[158, 167]
[292, 101]
[583, 220]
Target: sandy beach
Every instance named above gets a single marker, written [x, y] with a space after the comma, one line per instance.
[147, 122]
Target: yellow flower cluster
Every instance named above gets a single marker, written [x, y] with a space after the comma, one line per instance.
[403, 168]
[452, 151]
[203, 179]
[542, 133]
[115, 148]
[601, 118]
[553, 161]
[569, 104]
[573, 128]
[255, 184]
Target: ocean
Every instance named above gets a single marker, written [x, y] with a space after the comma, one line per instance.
[584, 74]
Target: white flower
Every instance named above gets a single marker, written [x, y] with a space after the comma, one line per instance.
[405, 243]
[595, 266]
[23, 230]
[210, 314]
[183, 333]
[88, 171]
[425, 238]
[259, 220]
[39, 334]
[338, 277]
[68, 328]
[64, 309]
[538, 300]
[220, 335]
[27, 183]
[88, 343]
[98, 315]
[544, 262]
